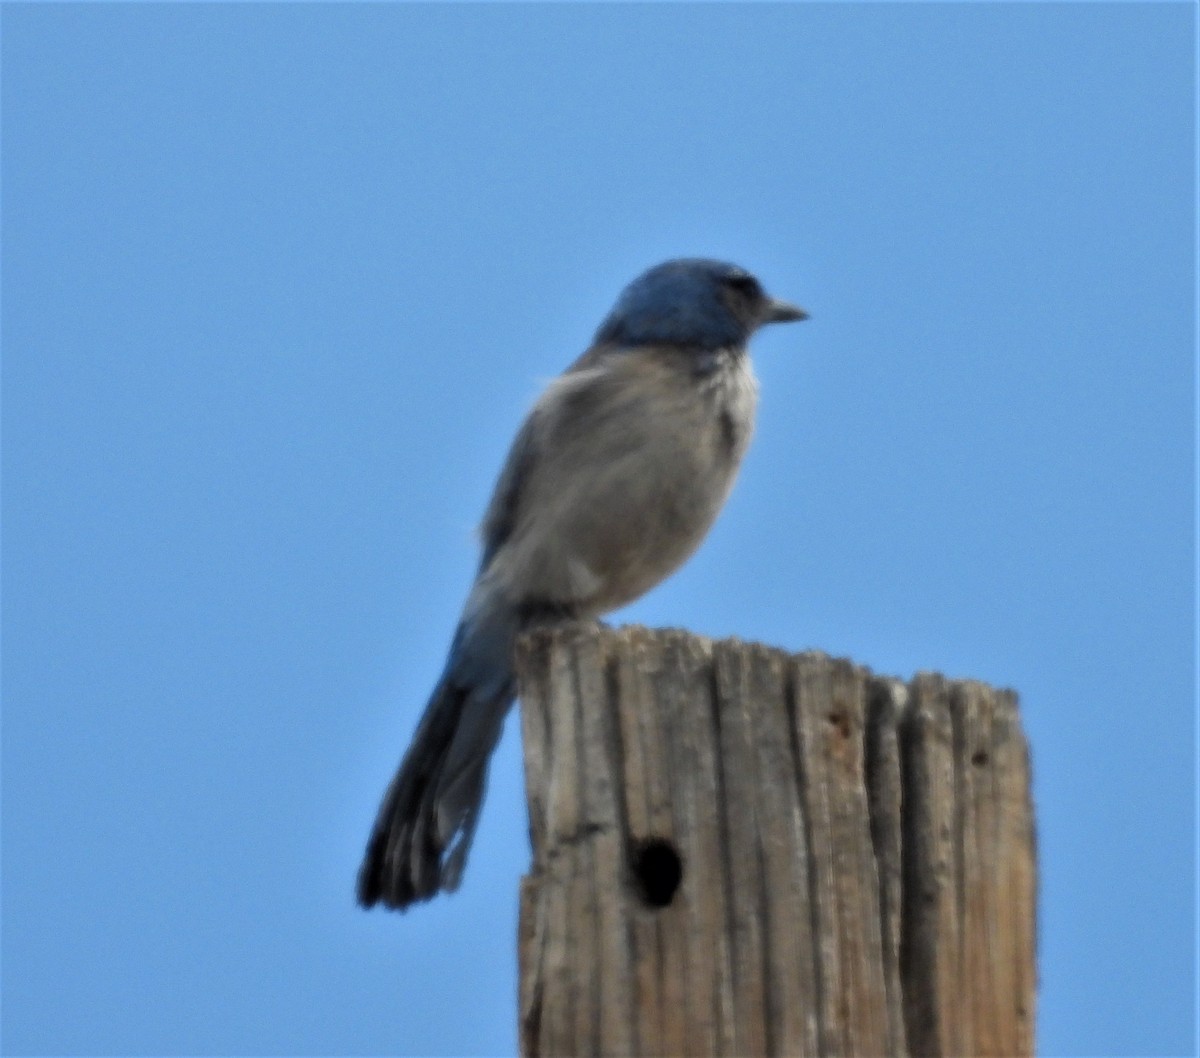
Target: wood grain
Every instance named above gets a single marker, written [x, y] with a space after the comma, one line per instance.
[855, 855]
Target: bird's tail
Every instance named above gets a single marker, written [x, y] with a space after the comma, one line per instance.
[425, 825]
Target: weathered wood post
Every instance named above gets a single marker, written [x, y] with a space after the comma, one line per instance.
[737, 851]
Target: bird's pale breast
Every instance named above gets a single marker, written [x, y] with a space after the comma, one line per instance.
[639, 458]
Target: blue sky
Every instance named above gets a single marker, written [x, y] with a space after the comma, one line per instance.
[278, 285]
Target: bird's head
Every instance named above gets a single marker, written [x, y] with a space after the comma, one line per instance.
[693, 302]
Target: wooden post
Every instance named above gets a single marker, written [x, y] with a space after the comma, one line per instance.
[739, 851]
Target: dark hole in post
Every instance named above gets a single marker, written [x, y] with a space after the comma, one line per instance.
[840, 723]
[980, 758]
[657, 870]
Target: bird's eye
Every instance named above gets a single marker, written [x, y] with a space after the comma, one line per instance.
[745, 284]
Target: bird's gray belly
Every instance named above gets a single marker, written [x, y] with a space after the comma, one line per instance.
[659, 515]
[618, 510]
[639, 515]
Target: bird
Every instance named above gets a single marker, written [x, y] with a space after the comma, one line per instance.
[611, 483]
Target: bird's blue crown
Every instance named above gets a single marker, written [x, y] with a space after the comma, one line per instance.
[686, 302]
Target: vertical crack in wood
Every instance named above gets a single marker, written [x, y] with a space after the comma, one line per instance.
[885, 703]
[742, 799]
[582, 911]
[619, 898]
[805, 1034]
[770, 1013]
[729, 967]
[916, 971]
[1027, 880]
[962, 1041]
[753, 703]
[792, 698]
[532, 925]
[615, 744]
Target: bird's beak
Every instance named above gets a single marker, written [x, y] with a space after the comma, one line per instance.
[776, 311]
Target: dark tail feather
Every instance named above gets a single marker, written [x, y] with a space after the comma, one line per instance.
[425, 825]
